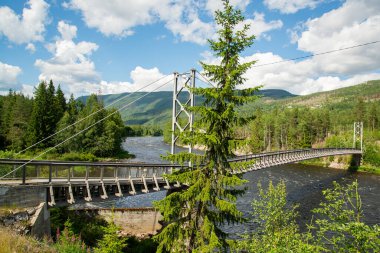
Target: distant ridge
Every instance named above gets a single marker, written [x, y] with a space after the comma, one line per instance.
[155, 108]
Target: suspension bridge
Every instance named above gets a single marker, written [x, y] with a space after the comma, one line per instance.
[70, 181]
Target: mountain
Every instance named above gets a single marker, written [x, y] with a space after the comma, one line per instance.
[154, 108]
[142, 108]
[369, 91]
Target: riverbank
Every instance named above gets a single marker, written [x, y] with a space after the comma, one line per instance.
[343, 163]
[69, 156]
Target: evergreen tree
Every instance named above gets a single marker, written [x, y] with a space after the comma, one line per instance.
[207, 200]
[38, 125]
[60, 104]
[20, 116]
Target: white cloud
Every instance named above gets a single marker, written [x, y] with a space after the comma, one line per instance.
[28, 27]
[345, 27]
[70, 64]
[27, 90]
[181, 17]
[118, 18]
[72, 67]
[213, 5]
[141, 78]
[68, 32]
[302, 77]
[259, 27]
[8, 75]
[291, 6]
[339, 28]
[115, 17]
[31, 48]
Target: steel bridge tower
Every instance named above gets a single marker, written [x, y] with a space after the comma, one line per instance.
[358, 135]
[183, 97]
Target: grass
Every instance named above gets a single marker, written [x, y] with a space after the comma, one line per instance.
[71, 156]
[10, 242]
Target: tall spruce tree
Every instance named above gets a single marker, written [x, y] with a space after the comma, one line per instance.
[38, 127]
[206, 201]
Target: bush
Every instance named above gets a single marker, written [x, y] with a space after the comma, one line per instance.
[277, 229]
[79, 157]
[68, 242]
[338, 225]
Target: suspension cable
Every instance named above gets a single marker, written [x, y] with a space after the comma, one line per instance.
[205, 79]
[83, 130]
[73, 124]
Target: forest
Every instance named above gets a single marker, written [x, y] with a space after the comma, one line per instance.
[47, 121]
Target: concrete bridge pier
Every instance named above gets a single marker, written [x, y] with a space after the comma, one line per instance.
[356, 161]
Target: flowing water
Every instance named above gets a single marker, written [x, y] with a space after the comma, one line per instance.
[304, 184]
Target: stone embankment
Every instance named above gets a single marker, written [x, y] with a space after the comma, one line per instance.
[24, 210]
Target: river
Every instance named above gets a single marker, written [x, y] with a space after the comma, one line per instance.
[304, 184]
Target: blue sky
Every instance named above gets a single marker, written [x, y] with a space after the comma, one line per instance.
[120, 45]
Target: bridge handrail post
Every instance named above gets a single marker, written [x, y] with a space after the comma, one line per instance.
[86, 176]
[50, 172]
[23, 174]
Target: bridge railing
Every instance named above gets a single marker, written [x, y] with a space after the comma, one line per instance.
[49, 171]
[46, 172]
[269, 159]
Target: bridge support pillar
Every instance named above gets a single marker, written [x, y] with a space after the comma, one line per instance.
[133, 192]
[88, 198]
[145, 190]
[157, 188]
[71, 196]
[104, 195]
[52, 199]
[119, 193]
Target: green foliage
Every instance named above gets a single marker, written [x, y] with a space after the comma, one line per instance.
[141, 246]
[336, 228]
[46, 114]
[68, 242]
[207, 199]
[86, 224]
[277, 230]
[139, 130]
[338, 224]
[15, 111]
[111, 241]
[73, 156]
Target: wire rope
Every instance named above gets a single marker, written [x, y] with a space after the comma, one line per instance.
[73, 124]
[83, 130]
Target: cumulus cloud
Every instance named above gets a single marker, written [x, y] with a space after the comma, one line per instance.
[72, 67]
[340, 28]
[213, 5]
[181, 17]
[142, 80]
[303, 77]
[259, 27]
[28, 27]
[291, 6]
[31, 48]
[70, 64]
[345, 27]
[118, 18]
[8, 75]
[27, 90]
